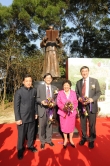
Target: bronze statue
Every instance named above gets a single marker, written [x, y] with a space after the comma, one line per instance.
[51, 42]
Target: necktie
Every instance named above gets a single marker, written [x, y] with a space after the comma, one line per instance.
[48, 92]
[84, 88]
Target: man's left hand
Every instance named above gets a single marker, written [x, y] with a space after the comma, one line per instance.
[90, 100]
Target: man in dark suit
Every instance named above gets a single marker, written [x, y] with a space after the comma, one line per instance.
[25, 109]
[45, 129]
[91, 89]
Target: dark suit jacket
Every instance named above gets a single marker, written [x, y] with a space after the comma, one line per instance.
[25, 105]
[94, 93]
[41, 95]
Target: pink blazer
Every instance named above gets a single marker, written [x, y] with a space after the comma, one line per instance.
[62, 99]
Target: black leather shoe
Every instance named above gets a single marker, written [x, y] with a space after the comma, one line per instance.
[23, 149]
[73, 145]
[42, 146]
[82, 142]
[51, 144]
[91, 145]
[65, 146]
[20, 154]
[32, 149]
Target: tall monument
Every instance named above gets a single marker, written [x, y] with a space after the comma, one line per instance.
[51, 42]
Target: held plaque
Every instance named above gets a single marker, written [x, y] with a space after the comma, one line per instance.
[52, 34]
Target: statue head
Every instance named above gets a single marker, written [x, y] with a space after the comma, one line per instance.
[51, 28]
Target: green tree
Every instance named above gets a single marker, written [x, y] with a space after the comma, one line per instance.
[86, 18]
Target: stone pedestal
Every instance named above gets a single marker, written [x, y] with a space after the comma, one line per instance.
[56, 127]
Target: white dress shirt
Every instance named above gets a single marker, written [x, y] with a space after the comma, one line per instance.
[67, 95]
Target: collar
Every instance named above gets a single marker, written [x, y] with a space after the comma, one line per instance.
[87, 79]
[68, 92]
[48, 85]
[27, 88]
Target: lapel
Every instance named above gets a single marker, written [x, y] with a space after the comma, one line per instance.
[80, 86]
[90, 85]
[64, 96]
[52, 91]
[70, 95]
[44, 90]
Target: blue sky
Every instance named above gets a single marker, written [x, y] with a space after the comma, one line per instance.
[6, 2]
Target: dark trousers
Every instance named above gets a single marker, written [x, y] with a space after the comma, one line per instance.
[92, 126]
[45, 130]
[26, 129]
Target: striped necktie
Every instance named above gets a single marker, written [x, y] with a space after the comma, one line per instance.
[84, 88]
[48, 92]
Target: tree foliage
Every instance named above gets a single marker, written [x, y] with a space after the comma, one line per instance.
[87, 19]
[83, 26]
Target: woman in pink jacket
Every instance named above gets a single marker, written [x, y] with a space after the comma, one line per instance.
[67, 117]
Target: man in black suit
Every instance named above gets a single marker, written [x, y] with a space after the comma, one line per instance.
[25, 109]
[45, 129]
[91, 89]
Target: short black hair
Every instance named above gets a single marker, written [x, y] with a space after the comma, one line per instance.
[48, 74]
[67, 81]
[84, 67]
[26, 75]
